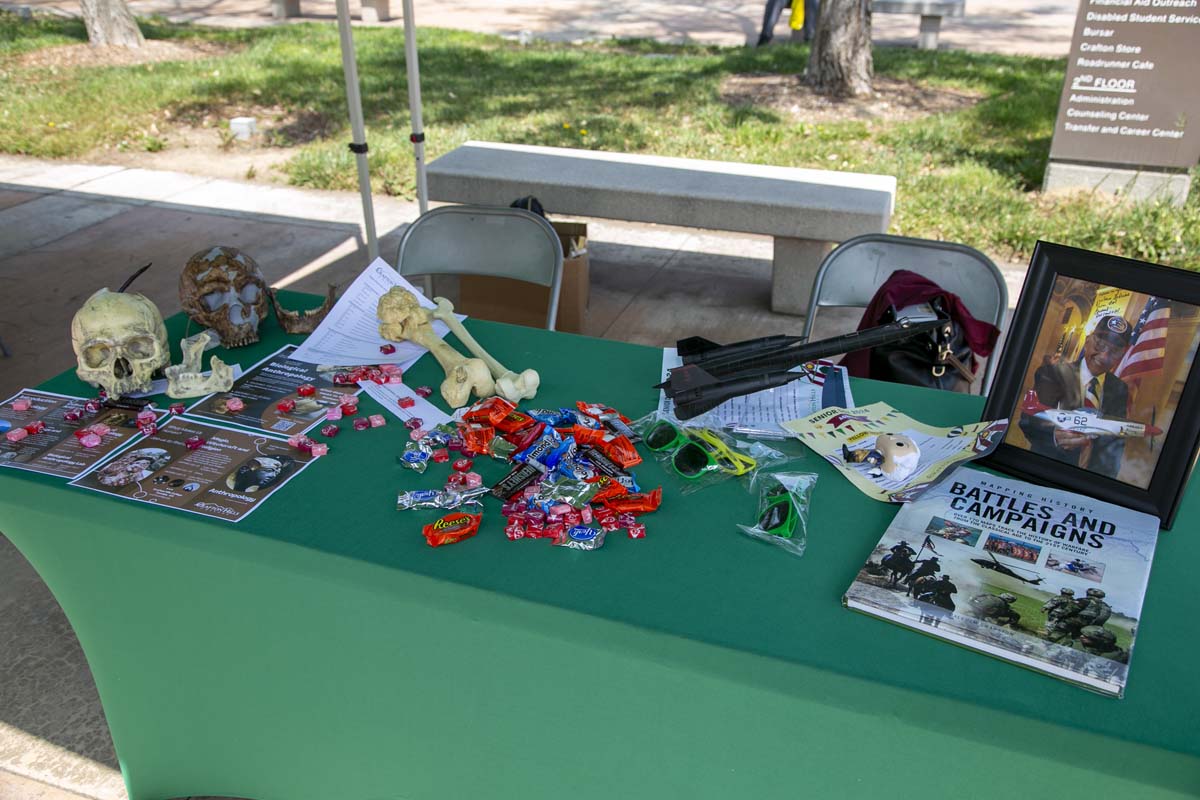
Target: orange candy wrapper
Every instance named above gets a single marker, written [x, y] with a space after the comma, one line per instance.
[452, 528]
[490, 411]
[635, 503]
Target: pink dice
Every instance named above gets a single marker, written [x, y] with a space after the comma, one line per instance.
[319, 449]
[235, 404]
[330, 431]
[349, 409]
[440, 455]
[16, 435]
[361, 424]
[406, 402]
[90, 440]
[423, 391]
[462, 465]
[21, 404]
[387, 349]
[417, 434]
[35, 427]
[636, 531]
[472, 480]
[194, 442]
[306, 390]
[286, 406]
[377, 420]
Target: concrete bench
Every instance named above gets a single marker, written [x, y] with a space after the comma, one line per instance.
[806, 210]
[931, 12]
[372, 10]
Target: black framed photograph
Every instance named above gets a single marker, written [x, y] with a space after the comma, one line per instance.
[1097, 379]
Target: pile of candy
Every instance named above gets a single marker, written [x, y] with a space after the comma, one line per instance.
[569, 481]
[380, 373]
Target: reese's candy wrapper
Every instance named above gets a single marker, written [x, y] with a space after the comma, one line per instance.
[489, 411]
[514, 421]
[635, 503]
[452, 528]
[477, 437]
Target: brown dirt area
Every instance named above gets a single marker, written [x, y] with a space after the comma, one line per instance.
[894, 99]
[153, 51]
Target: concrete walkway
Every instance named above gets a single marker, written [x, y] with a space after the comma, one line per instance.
[67, 229]
[1030, 27]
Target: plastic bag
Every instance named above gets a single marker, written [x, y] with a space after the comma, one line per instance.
[783, 501]
[699, 454]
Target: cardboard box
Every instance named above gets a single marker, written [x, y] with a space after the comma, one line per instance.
[520, 303]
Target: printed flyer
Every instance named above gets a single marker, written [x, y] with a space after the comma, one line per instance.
[890, 456]
[56, 450]
[276, 379]
[228, 477]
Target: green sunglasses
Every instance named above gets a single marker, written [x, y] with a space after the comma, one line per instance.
[696, 451]
[779, 518]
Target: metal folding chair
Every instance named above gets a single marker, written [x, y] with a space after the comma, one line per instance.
[485, 240]
[850, 275]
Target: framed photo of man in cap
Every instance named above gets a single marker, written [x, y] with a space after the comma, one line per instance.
[1096, 379]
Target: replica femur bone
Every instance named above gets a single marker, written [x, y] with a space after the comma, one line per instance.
[401, 318]
[510, 385]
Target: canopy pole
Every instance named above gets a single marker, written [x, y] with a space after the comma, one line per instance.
[414, 103]
[358, 145]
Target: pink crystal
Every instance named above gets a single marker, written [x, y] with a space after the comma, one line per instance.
[423, 391]
[178, 408]
[194, 442]
[387, 349]
[412, 423]
[100, 429]
[349, 409]
[333, 414]
[37, 426]
[406, 402]
[377, 420]
[91, 406]
[441, 455]
[146, 416]
[636, 531]
[418, 434]
[73, 415]
[330, 431]
[235, 404]
[16, 434]
[319, 448]
[472, 480]
[306, 390]
[149, 429]
[361, 424]
[90, 440]
[341, 378]
[21, 404]
[286, 406]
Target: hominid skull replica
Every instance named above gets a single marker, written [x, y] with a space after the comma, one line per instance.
[120, 341]
[222, 288]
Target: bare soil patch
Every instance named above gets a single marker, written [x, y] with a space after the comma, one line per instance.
[894, 100]
[68, 56]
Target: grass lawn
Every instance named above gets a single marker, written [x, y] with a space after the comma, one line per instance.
[969, 175]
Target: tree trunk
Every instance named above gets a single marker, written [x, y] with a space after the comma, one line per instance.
[840, 62]
[109, 22]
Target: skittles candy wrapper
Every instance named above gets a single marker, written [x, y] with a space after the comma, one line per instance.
[580, 537]
[452, 528]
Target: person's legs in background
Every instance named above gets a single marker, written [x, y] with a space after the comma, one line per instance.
[770, 17]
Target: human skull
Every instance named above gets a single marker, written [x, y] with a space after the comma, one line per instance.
[222, 288]
[120, 341]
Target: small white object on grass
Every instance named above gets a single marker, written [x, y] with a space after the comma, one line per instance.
[243, 128]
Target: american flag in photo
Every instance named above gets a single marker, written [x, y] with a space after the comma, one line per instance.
[1148, 346]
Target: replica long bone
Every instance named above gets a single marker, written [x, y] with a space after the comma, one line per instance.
[401, 318]
[513, 387]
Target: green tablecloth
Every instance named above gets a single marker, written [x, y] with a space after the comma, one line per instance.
[319, 649]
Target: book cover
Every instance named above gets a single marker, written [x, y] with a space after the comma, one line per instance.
[1040, 577]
